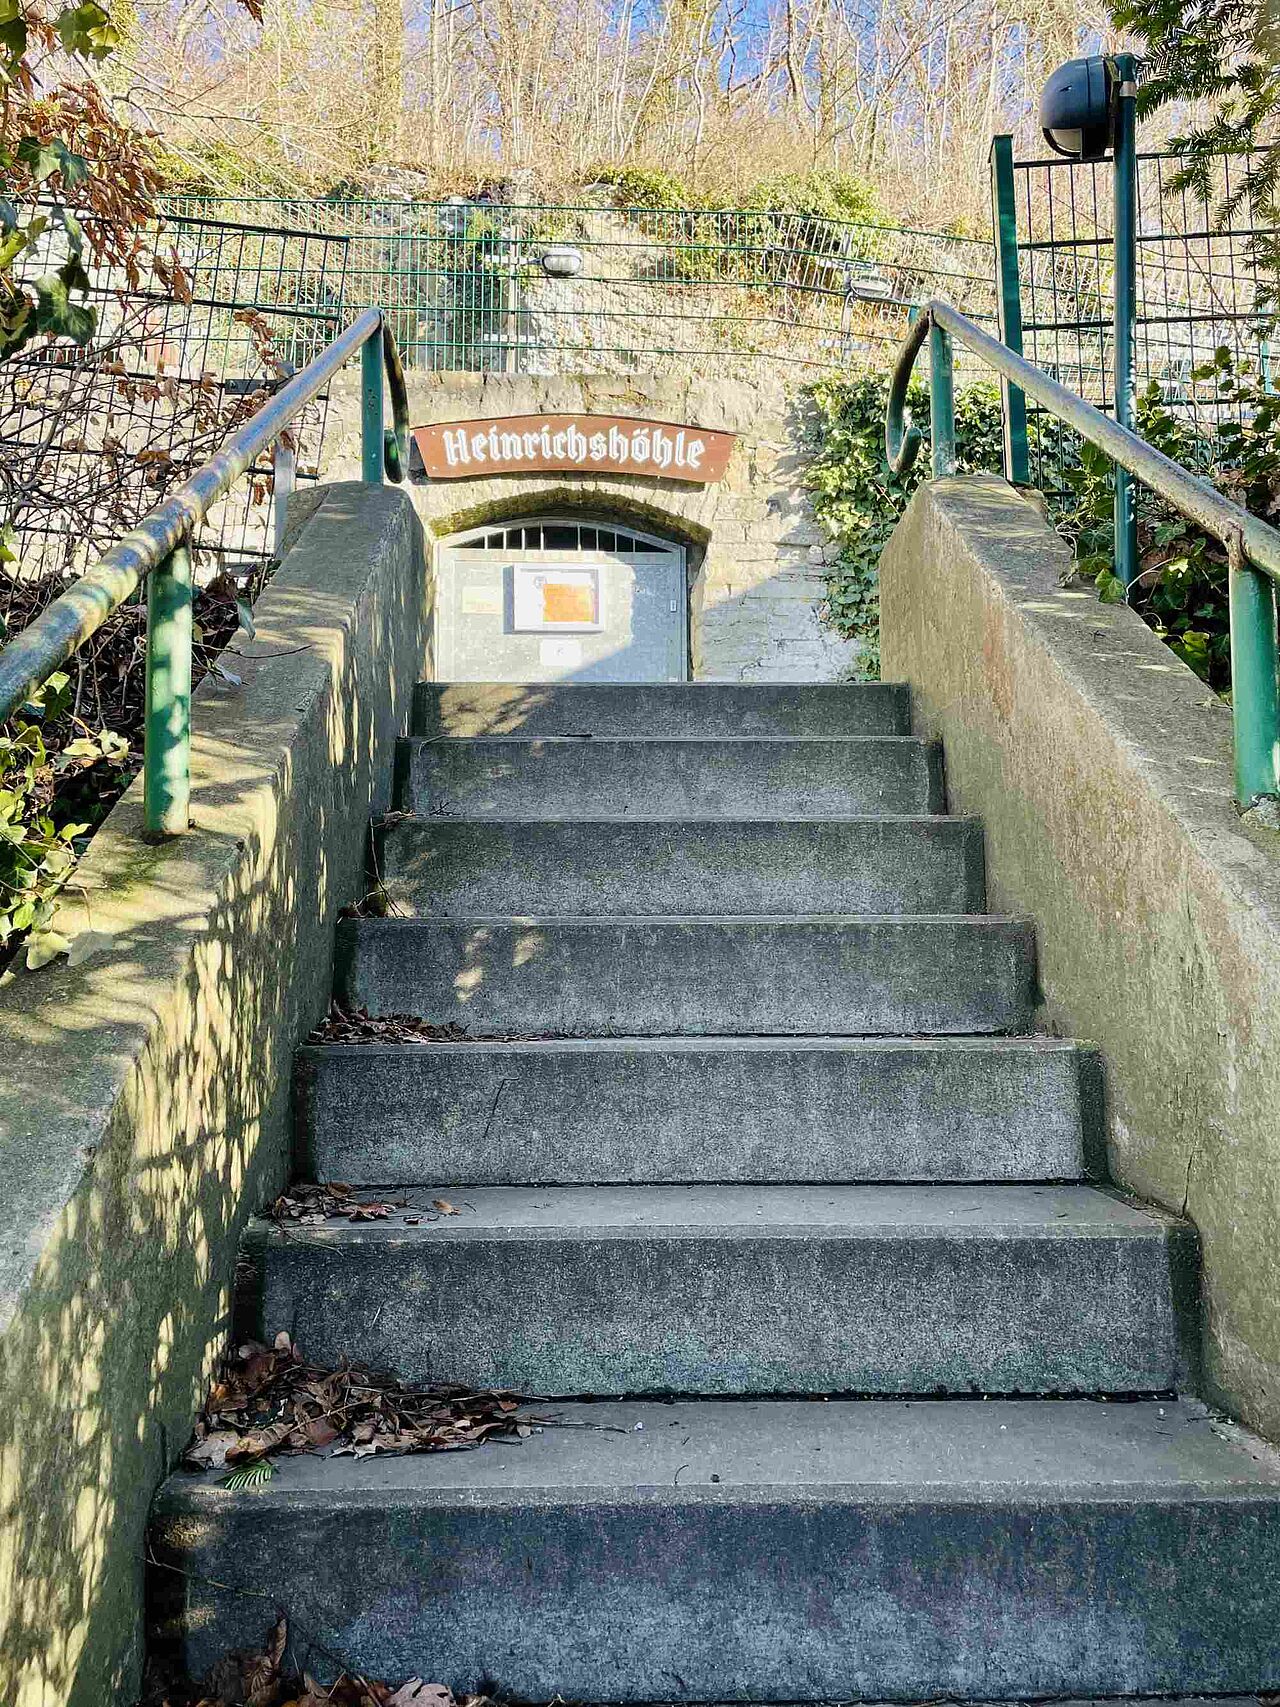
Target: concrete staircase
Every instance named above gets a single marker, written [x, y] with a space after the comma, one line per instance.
[773, 1189]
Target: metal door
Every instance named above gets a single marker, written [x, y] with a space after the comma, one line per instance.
[561, 599]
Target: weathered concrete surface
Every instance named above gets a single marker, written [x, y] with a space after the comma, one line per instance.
[694, 976]
[756, 551]
[582, 1111]
[728, 1289]
[703, 710]
[750, 777]
[765, 1552]
[1101, 766]
[144, 1097]
[855, 865]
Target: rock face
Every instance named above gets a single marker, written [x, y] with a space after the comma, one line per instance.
[751, 1166]
[756, 552]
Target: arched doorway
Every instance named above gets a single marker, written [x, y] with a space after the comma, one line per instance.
[561, 598]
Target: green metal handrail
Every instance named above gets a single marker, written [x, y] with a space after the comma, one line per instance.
[159, 550]
[1253, 547]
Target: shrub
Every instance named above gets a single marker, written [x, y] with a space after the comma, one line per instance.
[821, 195]
[857, 498]
[40, 838]
[644, 187]
[1181, 587]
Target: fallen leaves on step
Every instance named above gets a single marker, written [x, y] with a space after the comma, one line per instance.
[267, 1400]
[311, 1205]
[307, 1205]
[358, 1025]
[267, 1677]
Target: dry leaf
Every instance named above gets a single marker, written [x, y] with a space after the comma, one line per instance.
[268, 1401]
[357, 1025]
[211, 1452]
[415, 1693]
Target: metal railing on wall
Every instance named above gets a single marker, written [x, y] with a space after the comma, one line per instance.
[158, 551]
[89, 438]
[549, 288]
[1199, 285]
[1252, 546]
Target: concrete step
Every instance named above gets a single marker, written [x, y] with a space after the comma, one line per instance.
[731, 1289]
[868, 1550]
[560, 777]
[685, 1109]
[707, 709]
[891, 976]
[862, 865]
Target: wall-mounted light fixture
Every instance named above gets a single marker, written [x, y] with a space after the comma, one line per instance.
[1077, 109]
[561, 262]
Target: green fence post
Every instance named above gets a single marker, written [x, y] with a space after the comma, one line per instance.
[942, 403]
[1125, 179]
[166, 808]
[1255, 682]
[1004, 222]
[371, 409]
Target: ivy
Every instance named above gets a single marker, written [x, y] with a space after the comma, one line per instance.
[859, 501]
[39, 842]
[1181, 587]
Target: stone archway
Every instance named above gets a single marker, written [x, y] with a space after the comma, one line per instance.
[756, 553]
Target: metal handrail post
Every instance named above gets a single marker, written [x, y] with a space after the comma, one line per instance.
[1255, 679]
[166, 765]
[1125, 180]
[372, 454]
[284, 469]
[1004, 221]
[942, 402]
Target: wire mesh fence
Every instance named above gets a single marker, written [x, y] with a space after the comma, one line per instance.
[91, 439]
[1200, 290]
[543, 289]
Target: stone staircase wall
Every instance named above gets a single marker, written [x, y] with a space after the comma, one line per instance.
[1101, 766]
[144, 1094]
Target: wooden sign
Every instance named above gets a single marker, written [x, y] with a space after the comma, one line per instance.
[573, 444]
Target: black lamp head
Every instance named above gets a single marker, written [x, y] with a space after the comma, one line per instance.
[1076, 109]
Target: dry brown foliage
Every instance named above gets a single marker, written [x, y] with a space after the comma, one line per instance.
[268, 1400]
[264, 1677]
[358, 1025]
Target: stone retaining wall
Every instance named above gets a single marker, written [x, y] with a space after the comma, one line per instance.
[1102, 769]
[144, 1095]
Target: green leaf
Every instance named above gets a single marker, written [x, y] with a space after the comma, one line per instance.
[56, 313]
[13, 245]
[43, 159]
[44, 947]
[13, 39]
[252, 1476]
[1194, 649]
[87, 30]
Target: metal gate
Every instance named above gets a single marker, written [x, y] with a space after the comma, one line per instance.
[561, 599]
